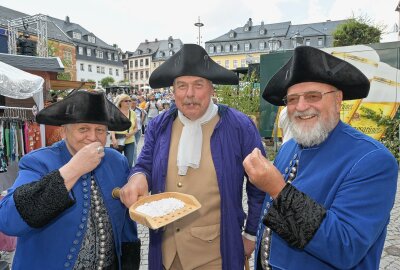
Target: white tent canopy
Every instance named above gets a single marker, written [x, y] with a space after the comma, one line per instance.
[18, 84]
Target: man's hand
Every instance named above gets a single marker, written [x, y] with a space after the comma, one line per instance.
[135, 188]
[263, 174]
[84, 161]
[249, 246]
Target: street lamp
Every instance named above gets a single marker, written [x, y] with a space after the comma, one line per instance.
[297, 39]
[199, 25]
[273, 43]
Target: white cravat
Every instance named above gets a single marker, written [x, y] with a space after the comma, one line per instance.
[191, 141]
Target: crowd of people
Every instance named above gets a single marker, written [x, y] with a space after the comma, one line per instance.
[323, 203]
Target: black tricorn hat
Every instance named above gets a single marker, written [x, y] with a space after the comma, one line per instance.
[191, 60]
[84, 107]
[309, 64]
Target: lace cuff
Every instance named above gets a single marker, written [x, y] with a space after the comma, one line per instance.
[40, 202]
[295, 217]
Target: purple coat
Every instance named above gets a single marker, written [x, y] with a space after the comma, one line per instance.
[234, 137]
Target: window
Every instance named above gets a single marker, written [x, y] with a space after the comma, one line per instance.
[308, 42]
[170, 45]
[109, 56]
[320, 42]
[146, 62]
[98, 69]
[91, 39]
[219, 48]
[235, 47]
[141, 62]
[136, 63]
[115, 57]
[243, 62]
[99, 54]
[76, 35]
[130, 64]
[141, 74]
[117, 72]
[232, 34]
[211, 49]
[89, 67]
[227, 47]
[67, 55]
[82, 67]
[226, 63]
[147, 74]
[80, 50]
[171, 52]
[247, 47]
[261, 45]
[262, 31]
[154, 64]
[110, 71]
[131, 76]
[136, 75]
[103, 70]
[246, 29]
[89, 52]
[235, 63]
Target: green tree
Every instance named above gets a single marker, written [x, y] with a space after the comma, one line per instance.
[360, 30]
[105, 82]
[245, 97]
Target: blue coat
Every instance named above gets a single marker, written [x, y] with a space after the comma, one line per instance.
[354, 177]
[56, 245]
[234, 137]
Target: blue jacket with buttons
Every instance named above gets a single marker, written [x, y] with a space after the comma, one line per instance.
[56, 245]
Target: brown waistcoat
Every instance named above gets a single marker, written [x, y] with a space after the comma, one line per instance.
[196, 237]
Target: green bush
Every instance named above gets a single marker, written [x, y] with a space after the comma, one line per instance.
[391, 136]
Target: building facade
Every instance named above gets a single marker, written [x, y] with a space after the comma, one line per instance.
[242, 46]
[149, 55]
[95, 59]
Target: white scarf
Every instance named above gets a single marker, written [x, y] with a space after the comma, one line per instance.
[191, 141]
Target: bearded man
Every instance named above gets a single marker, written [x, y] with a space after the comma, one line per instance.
[331, 188]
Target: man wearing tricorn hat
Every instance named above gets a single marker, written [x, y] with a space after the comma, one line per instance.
[331, 187]
[198, 148]
[60, 205]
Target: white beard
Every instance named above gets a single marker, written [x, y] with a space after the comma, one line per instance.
[311, 135]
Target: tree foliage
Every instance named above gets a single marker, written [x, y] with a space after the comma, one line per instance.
[106, 81]
[360, 30]
[245, 97]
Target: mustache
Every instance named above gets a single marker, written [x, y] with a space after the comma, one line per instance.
[309, 112]
[190, 101]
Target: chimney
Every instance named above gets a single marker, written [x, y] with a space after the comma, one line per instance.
[67, 19]
[146, 41]
[156, 40]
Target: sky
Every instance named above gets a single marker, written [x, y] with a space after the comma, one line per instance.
[127, 23]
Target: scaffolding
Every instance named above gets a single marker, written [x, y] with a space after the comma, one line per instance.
[37, 24]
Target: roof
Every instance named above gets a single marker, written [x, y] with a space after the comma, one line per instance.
[53, 32]
[33, 63]
[68, 26]
[159, 49]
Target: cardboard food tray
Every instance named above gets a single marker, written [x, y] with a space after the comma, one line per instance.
[191, 205]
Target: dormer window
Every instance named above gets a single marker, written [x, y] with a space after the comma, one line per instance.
[76, 35]
[171, 52]
[246, 28]
[109, 56]
[262, 31]
[170, 45]
[148, 50]
[139, 52]
[232, 34]
[91, 39]
[235, 47]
